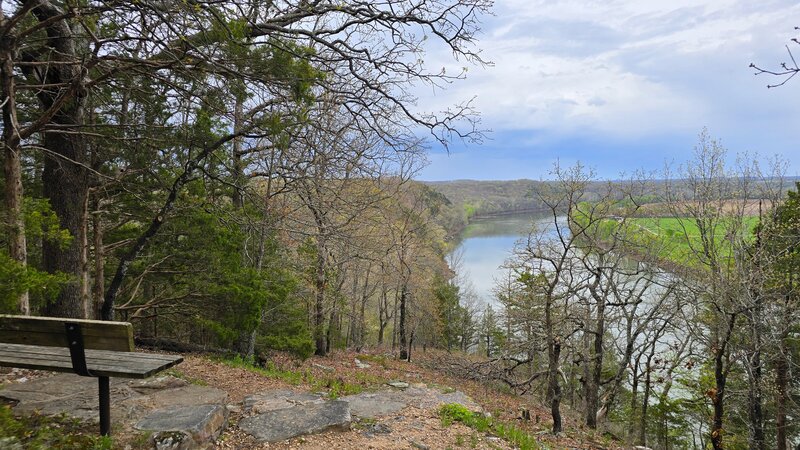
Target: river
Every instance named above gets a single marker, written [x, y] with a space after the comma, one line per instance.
[486, 245]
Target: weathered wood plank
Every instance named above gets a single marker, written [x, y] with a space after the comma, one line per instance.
[131, 364]
[100, 355]
[101, 363]
[50, 331]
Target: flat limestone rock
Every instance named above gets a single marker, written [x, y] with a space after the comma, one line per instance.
[281, 424]
[201, 408]
[202, 422]
[431, 398]
[70, 394]
[191, 394]
[375, 404]
[278, 399]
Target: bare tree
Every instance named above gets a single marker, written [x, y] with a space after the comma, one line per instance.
[787, 71]
[715, 204]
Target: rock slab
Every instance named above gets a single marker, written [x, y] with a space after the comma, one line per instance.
[376, 404]
[202, 423]
[279, 399]
[137, 403]
[281, 424]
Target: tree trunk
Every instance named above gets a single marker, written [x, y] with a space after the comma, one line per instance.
[238, 168]
[782, 396]
[12, 168]
[554, 387]
[755, 380]
[635, 375]
[717, 395]
[717, 400]
[402, 324]
[66, 188]
[593, 386]
[333, 320]
[64, 178]
[394, 322]
[362, 326]
[646, 395]
[85, 289]
[319, 303]
[99, 261]
[382, 306]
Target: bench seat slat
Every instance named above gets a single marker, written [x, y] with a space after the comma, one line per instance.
[96, 355]
[99, 362]
[95, 364]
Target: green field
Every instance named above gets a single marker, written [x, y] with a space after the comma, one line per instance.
[678, 239]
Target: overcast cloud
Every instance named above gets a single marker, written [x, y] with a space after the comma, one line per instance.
[622, 85]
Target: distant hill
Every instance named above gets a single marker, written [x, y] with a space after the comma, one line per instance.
[479, 198]
[473, 198]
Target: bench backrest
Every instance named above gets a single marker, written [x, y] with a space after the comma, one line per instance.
[51, 332]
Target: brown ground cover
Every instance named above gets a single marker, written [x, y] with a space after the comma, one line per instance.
[410, 428]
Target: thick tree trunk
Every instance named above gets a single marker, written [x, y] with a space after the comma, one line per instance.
[64, 178]
[66, 188]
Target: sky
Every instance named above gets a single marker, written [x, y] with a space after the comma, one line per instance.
[622, 86]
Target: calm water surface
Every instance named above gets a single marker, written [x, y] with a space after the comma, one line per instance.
[486, 245]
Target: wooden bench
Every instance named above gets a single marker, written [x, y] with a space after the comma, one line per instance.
[89, 348]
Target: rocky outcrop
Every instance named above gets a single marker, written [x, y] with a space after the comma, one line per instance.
[180, 415]
[297, 420]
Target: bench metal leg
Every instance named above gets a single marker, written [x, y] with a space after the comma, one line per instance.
[105, 406]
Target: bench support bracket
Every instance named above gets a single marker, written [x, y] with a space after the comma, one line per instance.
[76, 350]
[105, 406]
[77, 354]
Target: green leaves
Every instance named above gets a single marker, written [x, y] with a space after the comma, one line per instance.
[42, 223]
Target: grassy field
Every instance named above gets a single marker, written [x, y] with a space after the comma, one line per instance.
[675, 240]
[678, 239]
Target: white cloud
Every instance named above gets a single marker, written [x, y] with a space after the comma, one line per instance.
[628, 68]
